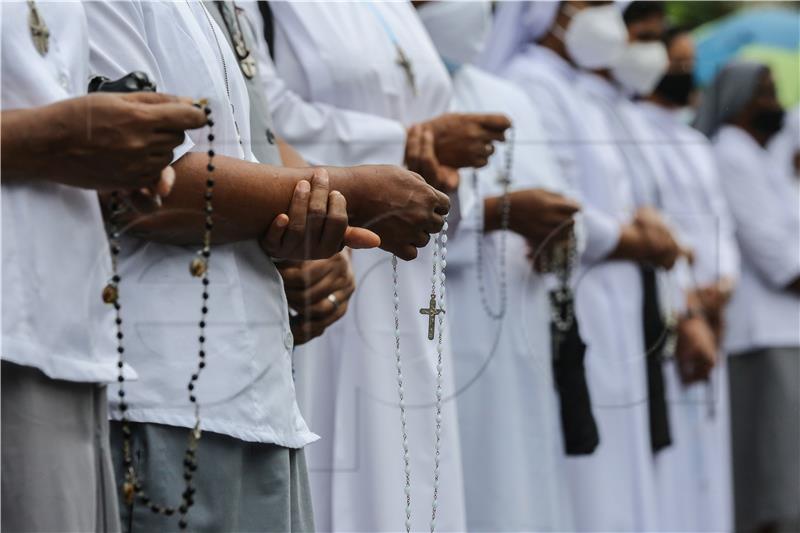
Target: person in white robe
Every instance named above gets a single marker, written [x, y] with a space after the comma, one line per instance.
[57, 334]
[251, 473]
[741, 113]
[351, 101]
[504, 380]
[785, 147]
[694, 474]
[612, 489]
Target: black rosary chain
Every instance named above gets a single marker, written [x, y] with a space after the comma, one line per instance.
[132, 486]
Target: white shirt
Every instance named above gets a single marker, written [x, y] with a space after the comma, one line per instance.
[246, 390]
[762, 312]
[55, 253]
[345, 99]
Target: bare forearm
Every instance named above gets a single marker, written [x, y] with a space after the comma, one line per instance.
[28, 141]
[492, 213]
[290, 156]
[630, 245]
[247, 197]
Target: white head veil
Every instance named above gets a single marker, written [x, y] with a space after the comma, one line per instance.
[515, 25]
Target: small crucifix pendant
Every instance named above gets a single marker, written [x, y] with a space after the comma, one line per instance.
[39, 32]
[431, 311]
[405, 63]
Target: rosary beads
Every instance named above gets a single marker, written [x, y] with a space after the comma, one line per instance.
[435, 313]
[132, 488]
[504, 179]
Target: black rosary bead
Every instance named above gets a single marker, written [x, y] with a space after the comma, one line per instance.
[201, 338]
[121, 393]
[211, 153]
[120, 379]
[182, 524]
[120, 349]
[194, 377]
[190, 386]
[192, 399]
[120, 364]
[201, 364]
[210, 137]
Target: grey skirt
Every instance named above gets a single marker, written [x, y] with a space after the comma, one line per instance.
[56, 465]
[765, 423]
[240, 486]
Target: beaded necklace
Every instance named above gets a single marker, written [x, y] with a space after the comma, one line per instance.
[505, 180]
[435, 314]
[132, 487]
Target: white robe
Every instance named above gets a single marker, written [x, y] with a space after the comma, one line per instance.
[344, 100]
[612, 489]
[511, 441]
[694, 474]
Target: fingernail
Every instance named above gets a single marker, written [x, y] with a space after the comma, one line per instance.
[167, 179]
[303, 186]
[282, 222]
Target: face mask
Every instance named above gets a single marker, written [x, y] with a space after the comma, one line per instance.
[595, 36]
[459, 30]
[769, 121]
[641, 65]
[676, 88]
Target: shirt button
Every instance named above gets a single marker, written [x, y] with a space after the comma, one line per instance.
[63, 80]
[288, 340]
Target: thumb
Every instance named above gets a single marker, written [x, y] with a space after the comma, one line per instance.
[357, 238]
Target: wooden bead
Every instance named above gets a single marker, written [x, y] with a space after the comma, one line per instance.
[110, 293]
[198, 267]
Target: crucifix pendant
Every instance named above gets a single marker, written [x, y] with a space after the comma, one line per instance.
[39, 32]
[405, 63]
[431, 311]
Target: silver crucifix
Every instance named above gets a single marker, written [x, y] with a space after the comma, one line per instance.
[431, 311]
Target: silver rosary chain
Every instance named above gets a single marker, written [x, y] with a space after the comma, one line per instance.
[561, 263]
[505, 218]
[438, 277]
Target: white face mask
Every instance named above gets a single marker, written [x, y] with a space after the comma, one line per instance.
[459, 30]
[641, 66]
[595, 36]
